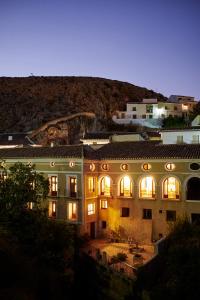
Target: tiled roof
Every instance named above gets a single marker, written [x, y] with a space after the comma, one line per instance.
[192, 128]
[148, 150]
[153, 134]
[57, 151]
[16, 139]
[118, 150]
[105, 135]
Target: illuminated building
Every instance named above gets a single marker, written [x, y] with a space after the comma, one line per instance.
[139, 188]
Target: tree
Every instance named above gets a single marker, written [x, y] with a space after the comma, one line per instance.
[174, 122]
[21, 186]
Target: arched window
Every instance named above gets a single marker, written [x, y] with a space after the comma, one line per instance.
[193, 190]
[171, 188]
[147, 187]
[105, 186]
[125, 187]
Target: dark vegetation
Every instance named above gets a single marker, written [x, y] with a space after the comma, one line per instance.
[26, 103]
[40, 258]
[175, 122]
[175, 273]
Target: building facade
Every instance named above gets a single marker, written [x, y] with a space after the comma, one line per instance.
[137, 189]
[150, 113]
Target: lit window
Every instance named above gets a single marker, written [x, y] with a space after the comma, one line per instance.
[52, 209]
[125, 187]
[104, 167]
[170, 167]
[53, 185]
[91, 209]
[146, 167]
[124, 167]
[91, 182]
[125, 211]
[147, 187]
[92, 167]
[184, 107]
[104, 204]
[72, 186]
[30, 205]
[171, 188]
[105, 186]
[72, 164]
[72, 211]
[147, 214]
[171, 215]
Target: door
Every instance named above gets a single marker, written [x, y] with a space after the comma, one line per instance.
[92, 230]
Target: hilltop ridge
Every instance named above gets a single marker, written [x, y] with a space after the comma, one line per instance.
[28, 102]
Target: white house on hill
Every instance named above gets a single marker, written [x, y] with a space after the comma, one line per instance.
[150, 112]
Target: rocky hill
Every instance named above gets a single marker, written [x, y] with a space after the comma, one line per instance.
[28, 102]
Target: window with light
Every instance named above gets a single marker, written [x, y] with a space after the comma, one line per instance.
[52, 209]
[72, 211]
[126, 187]
[147, 187]
[53, 185]
[91, 182]
[170, 166]
[91, 209]
[104, 204]
[171, 188]
[105, 186]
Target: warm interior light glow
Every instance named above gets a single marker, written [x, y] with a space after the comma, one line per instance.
[54, 207]
[104, 204]
[72, 211]
[171, 188]
[170, 166]
[147, 187]
[105, 186]
[125, 187]
[53, 182]
[91, 184]
[91, 209]
[184, 107]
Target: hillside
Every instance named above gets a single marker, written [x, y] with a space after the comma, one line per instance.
[28, 102]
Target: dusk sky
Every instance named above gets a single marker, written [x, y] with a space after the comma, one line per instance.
[150, 43]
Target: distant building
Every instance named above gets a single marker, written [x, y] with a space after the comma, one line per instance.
[102, 138]
[178, 98]
[181, 136]
[150, 112]
[16, 140]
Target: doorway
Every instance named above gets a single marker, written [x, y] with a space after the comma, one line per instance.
[92, 230]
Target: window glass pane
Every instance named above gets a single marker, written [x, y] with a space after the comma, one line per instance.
[72, 211]
[147, 187]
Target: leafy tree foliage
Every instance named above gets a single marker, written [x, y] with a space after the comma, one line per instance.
[22, 185]
[174, 122]
[175, 272]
